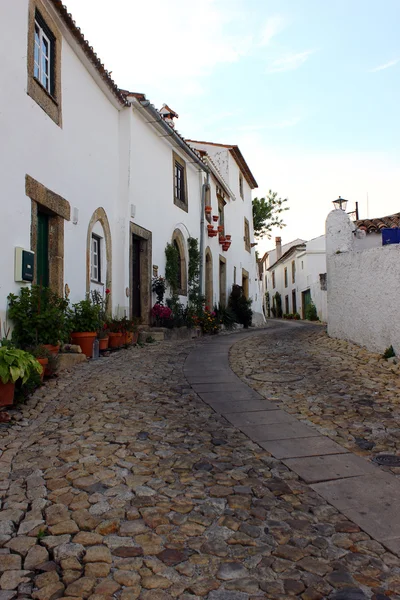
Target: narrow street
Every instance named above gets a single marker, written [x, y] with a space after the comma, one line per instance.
[130, 477]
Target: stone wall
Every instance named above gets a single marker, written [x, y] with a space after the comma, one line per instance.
[363, 288]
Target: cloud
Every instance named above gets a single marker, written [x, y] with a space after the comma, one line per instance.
[289, 62]
[387, 65]
[273, 26]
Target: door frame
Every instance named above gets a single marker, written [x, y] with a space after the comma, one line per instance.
[222, 281]
[145, 271]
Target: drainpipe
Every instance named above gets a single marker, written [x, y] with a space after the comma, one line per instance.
[205, 188]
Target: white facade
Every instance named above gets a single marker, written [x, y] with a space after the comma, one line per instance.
[299, 275]
[101, 175]
[363, 287]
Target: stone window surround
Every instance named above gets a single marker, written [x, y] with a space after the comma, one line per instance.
[51, 104]
[59, 211]
[178, 237]
[146, 269]
[247, 235]
[183, 205]
[100, 216]
[245, 282]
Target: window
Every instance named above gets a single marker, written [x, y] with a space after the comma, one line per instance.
[266, 282]
[221, 206]
[294, 302]
[96, 259]
[44, 60]
[293, 271]
[287, 305]
[273, 279]
[286, 277]
[302, 265]
[234, 275]
[43, 66]
[247, 235]
[180, 187]
[241, 186]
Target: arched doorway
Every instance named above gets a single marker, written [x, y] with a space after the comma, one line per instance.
[179, 242]
[209, 279]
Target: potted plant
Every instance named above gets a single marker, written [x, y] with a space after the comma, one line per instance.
[116, 334]
[84, 323]
[208, 210]
[132, 332]
[215, 218]
[103, 337]
[15, 364]
[46, 358]
[39, 317]
[102, 303]
[220, 228]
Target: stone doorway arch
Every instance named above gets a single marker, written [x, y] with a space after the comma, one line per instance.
[100, 216]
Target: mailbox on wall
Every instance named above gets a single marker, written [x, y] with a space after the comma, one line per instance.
[24, 265]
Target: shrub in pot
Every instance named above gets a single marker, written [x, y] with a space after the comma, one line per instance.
[14, 365]
[132, 331]
[84, 323]
[46, 358]
[116, 333]
[39, 316]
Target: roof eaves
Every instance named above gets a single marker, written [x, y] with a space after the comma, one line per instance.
[88, 50]
[286, 255]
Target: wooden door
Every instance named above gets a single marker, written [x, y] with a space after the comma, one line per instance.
[136, 304]
[42, 250]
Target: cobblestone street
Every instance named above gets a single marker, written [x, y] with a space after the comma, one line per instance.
[118, 481]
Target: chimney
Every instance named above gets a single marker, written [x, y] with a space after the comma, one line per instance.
[278, 244]
[168, 115]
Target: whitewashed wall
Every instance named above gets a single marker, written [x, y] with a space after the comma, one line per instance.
[78, 161]
[363, 288]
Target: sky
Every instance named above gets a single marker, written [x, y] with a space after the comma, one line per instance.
[308, 89]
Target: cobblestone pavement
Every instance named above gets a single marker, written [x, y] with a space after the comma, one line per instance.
[118, 482]
[346, 392]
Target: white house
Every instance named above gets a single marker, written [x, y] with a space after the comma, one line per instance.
[297, 271]
[363, 281]
[96, 181]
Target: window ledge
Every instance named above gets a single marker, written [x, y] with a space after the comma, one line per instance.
[96, 282]
[53, 98]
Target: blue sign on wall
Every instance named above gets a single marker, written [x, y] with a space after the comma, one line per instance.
[390, 236]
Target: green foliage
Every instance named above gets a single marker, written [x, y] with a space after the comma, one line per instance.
[150, 339]
[196, 300]
[389, 353]
[43, 352]
[225, 316]
[42, 533]
[85, 316]
[39, 316]
[179, 312]
[296, 316]
[240, 306]
[158, 286]
[16, 364]
[277, 300]
[172, 267]
[267, 214]
[268, 304]
[311, 312]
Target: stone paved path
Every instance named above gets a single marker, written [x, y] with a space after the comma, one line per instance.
[118, 481]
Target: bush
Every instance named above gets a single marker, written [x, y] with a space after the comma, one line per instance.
[278, 305]
[240, 306]
[224, 316]
[85, 316]
[39, 316]
[311, 312]
[296, 316]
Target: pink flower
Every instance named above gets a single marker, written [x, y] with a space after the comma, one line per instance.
[108, 291]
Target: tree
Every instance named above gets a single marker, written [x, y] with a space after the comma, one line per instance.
[267, 214]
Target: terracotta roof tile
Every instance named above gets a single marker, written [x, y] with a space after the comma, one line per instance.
[376, 225]
[88, 50]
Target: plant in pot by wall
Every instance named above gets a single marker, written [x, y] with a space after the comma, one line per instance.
[46, 358]
[39, 316]
[102, 330]
[15, 364]
[132, 331]
[116, 333]
[84, 323]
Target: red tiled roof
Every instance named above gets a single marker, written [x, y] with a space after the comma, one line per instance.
[88, 50]
[238, 156]
[376, 225]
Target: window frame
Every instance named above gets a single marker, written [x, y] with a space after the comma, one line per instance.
[46, 92]
[273, 280]
[246, 236]
[293, 271]
[241, 189]
[285, 275]
[179, 165]
[95, 279]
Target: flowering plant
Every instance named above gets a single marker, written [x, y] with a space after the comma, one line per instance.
[207, 320]
[161, 313]
[158, 286]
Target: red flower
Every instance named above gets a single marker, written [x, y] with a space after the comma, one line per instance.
[108, 291]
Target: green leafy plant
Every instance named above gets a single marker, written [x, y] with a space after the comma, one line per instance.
[84, 316]
[17, 364]
[268, 304]
[311, 312]
[150, 340]
[172, 267]
[43, 352]
[277, 300]
[41, 534]
[267, 214]
[195, 298]
[240, 306]
[159, 286]
[225, 316]
[389, 352]
[39, 316]
[296, 316]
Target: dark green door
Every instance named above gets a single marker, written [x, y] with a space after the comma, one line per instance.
[306, 301]
[42, 250]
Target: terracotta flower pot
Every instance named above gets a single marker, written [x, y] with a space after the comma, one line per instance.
[85, 340]
[53, 349]
[220, 228]
[215, 218]
[6, 393]
[228, 237]
[222, 239]
[208, 209]
[115, 340]
[44, 362]
[135, 337]
[103, 343]
[212, 232]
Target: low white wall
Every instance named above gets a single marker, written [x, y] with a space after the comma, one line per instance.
[363, 292]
